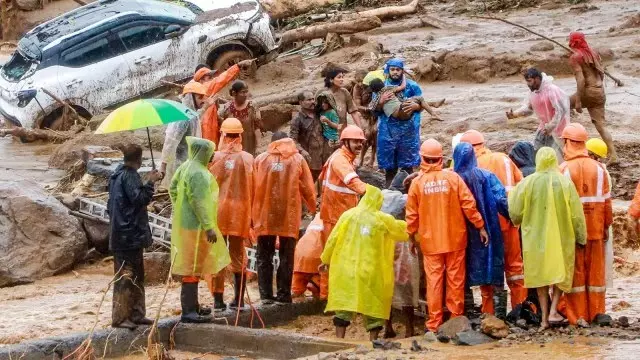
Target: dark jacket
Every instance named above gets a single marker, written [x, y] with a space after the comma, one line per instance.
[127, 209]
[523, 155]
[485, 264]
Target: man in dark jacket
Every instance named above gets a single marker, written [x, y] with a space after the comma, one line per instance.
[524, 156]
[129, 235]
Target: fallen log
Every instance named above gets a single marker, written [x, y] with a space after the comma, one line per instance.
[388, 12]
[29, 135]
[321, 31]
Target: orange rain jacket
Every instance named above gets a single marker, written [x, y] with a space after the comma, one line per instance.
[437, 205]
[210, 122]
[634, 209]
[592, 184]
[309, 248]
[233, 170]
[283, 180]
[341, 185]
[501, 165]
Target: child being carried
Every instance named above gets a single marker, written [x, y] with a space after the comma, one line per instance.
[393, 107]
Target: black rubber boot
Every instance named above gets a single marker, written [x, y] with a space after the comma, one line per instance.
[500, 301]
[238, 291]
[190, 307]
[265, 251]
[469, 305]
[218, 302]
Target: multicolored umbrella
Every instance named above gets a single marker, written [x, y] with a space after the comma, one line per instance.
[143, 114]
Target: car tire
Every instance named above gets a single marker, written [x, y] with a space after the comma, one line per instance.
[58, 123]
[230, 58]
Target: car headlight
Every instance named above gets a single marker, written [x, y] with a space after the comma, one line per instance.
[25, 97]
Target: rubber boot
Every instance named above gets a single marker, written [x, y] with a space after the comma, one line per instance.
[218, 302]
[238, 291]
[500, 301]
[190, 307]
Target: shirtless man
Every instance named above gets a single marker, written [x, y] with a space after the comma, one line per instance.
[361, 97]
[589, 73]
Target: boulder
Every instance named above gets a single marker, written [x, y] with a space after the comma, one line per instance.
[38, 237]
[97, 235]
[156, 267]
[494, 327]
[372, 177]
[542, 46]
[602, 320]
[454, 326]
[470, 338]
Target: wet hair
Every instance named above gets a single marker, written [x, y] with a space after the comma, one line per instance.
[321, 99]
[332, 74]
[301, 96]
[429, 160]
[200, 66]
[132, 153]
[376, 85]
[279, 135]
[532, 73]
[237, 86]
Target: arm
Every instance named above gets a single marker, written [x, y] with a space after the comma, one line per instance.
[516, 203]
[524, 110]
[137, 193]
[468, 204]
[397, 228]
[580, 83]
[222, 80]
[347, 173]
[307, 187]
[356, 94]
[577, 213]
[561, 104]
[353, 109]
[402, 86]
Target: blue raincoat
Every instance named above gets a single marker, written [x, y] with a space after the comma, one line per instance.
[485, 265]
[399, 140]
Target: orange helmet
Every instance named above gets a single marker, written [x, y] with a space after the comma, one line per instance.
[194, 87]
[352, 132]
[431, 148]
[202, 73]
[575, 132]
[231, 126]
[473, 137]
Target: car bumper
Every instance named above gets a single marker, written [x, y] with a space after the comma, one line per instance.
[18, 116]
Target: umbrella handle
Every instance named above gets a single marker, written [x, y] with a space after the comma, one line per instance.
[153, 163]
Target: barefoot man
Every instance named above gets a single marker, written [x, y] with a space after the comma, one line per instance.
[589, 72]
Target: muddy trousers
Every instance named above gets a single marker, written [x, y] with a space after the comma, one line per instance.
[128, 290]
[344, 318]
[440, 269]
[238, 256]
[586, 298]
[595, 100]
[314, 282]
[284, 275]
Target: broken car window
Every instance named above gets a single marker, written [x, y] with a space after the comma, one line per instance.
[140, 36]
[15, 68]
[89, 52]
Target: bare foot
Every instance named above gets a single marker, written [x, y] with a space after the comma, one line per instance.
[437, 117]
[439, 103]
[555, 318]
[389, 334]
[543, 327]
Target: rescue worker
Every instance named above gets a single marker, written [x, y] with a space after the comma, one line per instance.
[589, 72]
[285, 181]
[634, 209]
[438, 206]
[548, 208]
[306, 262]
[197, 246]
[359, 255]
[524, 156]
[509, 175]
[485, 261]
[233, 170]
[586, 298]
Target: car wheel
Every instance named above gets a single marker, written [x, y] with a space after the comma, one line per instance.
[230, 58]
[57, 122]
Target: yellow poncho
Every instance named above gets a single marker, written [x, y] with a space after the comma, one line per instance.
[549, 209]
[360, 253]
[194, 195]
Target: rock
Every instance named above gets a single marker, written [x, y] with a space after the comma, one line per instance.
[454, 326]
[372, 177]
[38, 237]
[275, 116]
[361, 349]
[481, 76]
[522, 323]
[343, 356]
[621, 305]
[602, 320]
[325, 356]
[29, 5]
[415, 346]
[70, 201]
[443, 338]
[542, 46]
[358, 40]
[156, 267]
[623, 321]
[430, 337]
[470, 338]
[97, 235]
[426, 70]
[494, 327]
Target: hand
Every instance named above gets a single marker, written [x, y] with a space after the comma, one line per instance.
[484, 237]
[323, 268]
[407, 181]
[155, 176]
[244, 64]
[324, 120]
[386, 97]
[409, 107]
[578, 106]
[211, 100]
[510, 114]
[211, 236]
[413, 246]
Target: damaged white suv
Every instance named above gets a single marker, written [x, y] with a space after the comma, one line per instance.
[106, 53]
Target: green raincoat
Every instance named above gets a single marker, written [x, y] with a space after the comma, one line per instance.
[194, 196]
[360, 253]
[549, 209]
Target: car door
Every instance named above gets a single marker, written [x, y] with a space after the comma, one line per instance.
[94, 70]
[149, 52]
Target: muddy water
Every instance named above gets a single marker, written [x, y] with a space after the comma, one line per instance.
[20, 161]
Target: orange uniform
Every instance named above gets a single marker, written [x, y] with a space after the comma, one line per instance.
[587, 296]
[283, 181]
[307, 260]
[509, 175]
[437, 206]
[634, 209]
[210, 122]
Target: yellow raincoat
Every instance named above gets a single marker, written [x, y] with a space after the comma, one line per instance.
[194, 195]
[549, 209]
[360, 253]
